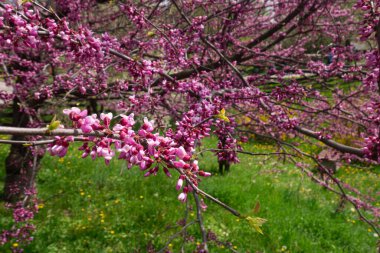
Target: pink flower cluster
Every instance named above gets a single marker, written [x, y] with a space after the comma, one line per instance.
[372, 148]
[60, 146]
[20, 235]
[227, 144]
[370, 17]
[281, 119]
[73, 9]
[143, 148]
[22, 214]
[87, 123]
[21, 230]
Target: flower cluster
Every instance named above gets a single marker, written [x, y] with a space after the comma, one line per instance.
[21, 235]
[372, 148]
[143, 148]
[88, 123]
[293, 92]
[73, 9]
[371, 17]
[282, 119]
[227, 144]
[21, 232]
[60, 146]
[186, 134]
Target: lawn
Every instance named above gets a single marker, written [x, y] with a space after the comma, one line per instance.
[86, 206]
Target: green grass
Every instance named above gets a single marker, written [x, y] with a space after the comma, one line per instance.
[89, 207]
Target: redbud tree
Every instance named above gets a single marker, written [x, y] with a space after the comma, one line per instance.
[145, 81]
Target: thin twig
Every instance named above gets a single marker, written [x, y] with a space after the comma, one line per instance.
[208, 196]
[200, 221]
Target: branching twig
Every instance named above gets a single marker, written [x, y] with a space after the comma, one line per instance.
[175, 236]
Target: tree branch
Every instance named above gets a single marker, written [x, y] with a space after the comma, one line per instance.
[338, 146]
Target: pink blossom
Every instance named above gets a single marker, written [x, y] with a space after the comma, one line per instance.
[75, 113]
[179, 164]
[88, 124]
[106, 118]
[180, 182]
[181, 153]
[60, 146]
[148, 125]
[127, 121]
[151, 146]
[204, 174]
[203, 205]
[182, 197]
[167, 173]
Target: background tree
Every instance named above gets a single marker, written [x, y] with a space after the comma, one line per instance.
[235, 69]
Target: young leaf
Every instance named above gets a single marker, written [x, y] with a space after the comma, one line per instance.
[256, 223]
[151, 33]
[222, 115]
[54, 124]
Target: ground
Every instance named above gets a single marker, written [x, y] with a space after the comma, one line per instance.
[86, 206]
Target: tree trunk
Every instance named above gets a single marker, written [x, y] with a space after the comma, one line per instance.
[22, 162]
[224, 167]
